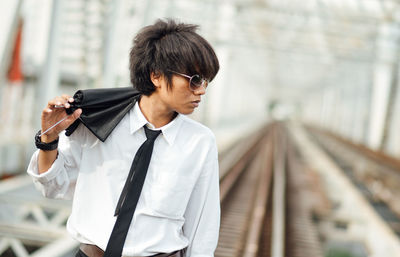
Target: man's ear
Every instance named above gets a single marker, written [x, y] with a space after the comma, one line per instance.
[156, 78]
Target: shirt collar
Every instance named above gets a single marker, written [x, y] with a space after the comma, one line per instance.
[169, 131]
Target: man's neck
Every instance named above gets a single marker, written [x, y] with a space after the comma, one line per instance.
[155, 112]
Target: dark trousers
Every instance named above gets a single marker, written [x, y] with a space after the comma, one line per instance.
[175, 254]
[80, 254]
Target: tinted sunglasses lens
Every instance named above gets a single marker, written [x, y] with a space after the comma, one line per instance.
[196, 82]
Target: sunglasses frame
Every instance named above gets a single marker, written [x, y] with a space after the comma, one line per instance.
[193, 86]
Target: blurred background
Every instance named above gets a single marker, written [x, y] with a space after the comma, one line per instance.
[322, 67]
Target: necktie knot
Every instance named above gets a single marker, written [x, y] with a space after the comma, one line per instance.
[151, 134]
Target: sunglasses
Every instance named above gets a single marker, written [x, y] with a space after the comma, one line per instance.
[195, 81]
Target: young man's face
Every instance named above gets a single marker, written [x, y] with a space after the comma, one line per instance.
[179, 97]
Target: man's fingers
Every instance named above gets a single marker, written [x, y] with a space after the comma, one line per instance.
[47, 110]
[62, 101]
[74, 116]
[68, 99]
[54, 113]
[77, 113]
[55, 102]
[59, 101]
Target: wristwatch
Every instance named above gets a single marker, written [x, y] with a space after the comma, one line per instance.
[45, 146]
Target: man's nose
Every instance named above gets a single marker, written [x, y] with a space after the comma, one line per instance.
[200, 90]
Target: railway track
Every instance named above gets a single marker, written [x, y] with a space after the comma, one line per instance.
[258, 219]
[376, 175]
[239, 192]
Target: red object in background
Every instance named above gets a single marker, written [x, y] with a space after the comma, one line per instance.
[15, 72]
[6, 176]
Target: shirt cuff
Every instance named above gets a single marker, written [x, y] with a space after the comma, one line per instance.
[50, 174]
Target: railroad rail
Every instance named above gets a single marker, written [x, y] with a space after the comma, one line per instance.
[255, 202]
[374, 173]
[358, 183]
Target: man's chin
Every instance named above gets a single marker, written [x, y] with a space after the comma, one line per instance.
[186, 112]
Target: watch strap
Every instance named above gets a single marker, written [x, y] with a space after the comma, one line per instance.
[45, 146]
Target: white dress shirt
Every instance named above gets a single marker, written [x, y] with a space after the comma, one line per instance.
[179, 205]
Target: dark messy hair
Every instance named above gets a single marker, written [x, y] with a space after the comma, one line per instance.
[167, 45]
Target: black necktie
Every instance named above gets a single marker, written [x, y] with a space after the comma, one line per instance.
[130, 195]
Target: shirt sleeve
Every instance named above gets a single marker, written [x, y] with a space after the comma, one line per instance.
[59, 180]
[202, 216]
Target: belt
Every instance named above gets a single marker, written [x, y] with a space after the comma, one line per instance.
[95, 251]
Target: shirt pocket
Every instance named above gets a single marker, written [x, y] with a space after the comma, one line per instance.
[169, 194]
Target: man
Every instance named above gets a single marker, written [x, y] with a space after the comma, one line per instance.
[178, 212]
